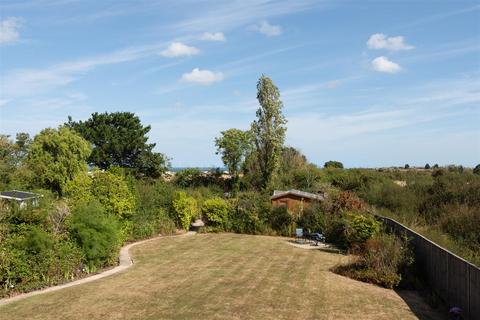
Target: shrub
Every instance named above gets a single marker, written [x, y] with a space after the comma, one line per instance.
[185, 208]
[250, 214]
[282, 221]
[313, 219]
[108, 187]
[216, 210]
[33, 258]
[347, 201]
[381, 261]
[359, 228]
[333, 164]
[97, 234]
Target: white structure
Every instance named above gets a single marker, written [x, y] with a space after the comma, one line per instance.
[23, 198]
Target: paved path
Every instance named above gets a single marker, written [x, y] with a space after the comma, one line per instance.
[125, 262]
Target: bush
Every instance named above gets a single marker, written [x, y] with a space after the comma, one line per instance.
[216, 210]
[282, 221]
[185, 208]
[108, 187]
[97, 234]
[250, 214]
[381, 261]
[313, 219]
[32, 258]
[359, 228]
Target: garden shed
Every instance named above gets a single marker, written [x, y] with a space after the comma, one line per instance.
[23, 198]
[294, 200]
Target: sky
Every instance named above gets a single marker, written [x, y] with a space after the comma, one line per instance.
[367, 83]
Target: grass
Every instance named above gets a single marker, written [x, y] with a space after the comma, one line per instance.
[222, 276]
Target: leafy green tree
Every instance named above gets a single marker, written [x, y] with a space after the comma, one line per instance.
[233, 145]
[476, 170]
[185, 208]
[119, 139]
[333, 164]
[107, 187]
[57, 156]
[427, 166]
[407, 166]
[216, 210]
[269, 128]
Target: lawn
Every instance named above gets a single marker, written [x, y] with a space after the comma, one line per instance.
[223, 276]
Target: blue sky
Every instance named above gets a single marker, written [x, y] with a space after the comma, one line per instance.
[368, 83]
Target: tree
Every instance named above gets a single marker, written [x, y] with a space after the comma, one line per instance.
[476, 170]
[407, 166]
[119, 139]
[427, 166]
[233, 145]
[269, 128]
[57, 156]
[333, 164]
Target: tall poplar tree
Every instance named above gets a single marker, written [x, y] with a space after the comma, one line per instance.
[269, 128]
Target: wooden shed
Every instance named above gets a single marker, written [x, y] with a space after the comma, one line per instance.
[294, 200]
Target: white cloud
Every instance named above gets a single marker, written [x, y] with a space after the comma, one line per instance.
[267, 29]
[215, 36]
[178, 49]
[9, 30]
[382, 64]
[381, 41]
[27, 82]
[204, 77]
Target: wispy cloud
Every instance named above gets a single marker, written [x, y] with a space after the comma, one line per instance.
[382, 64]
[267, 29]
[227, 15]
[9, 30]
[382, 41]
[212, 36]
[27, 82]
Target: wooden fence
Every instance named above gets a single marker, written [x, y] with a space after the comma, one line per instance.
[455, 280]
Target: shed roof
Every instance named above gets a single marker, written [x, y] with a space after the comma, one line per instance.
[279, 194]
[19, 195]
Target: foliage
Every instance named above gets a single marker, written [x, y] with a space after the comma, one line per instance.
[381, 261]
[31, 258]
[294, 172]
[346, 201]
[313, 219]
[476, 170]
[185, 208]
[97, 234]
[282, 221]
[427, 166]
[193, 177]
[250, 214]
[119, 139]
[234, 145]
[333, 164]
[57, 156]
[269, 128]
[216, 210]
[359, 228]
[108, 187]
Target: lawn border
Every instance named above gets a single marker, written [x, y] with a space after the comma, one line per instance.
[125, 262]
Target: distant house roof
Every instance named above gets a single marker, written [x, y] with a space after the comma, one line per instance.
[19, 195]
[279, 194]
